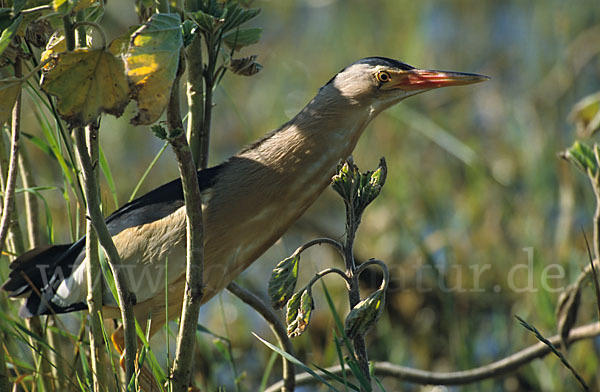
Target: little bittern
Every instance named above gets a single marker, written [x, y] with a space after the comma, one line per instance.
[249, 201]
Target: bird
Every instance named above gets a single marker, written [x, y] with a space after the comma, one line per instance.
[248, 201]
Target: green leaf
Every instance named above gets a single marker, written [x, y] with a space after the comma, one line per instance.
[9, 91]
[68, 6]
[18, 6]
[302, 310]
[86, 83]
[365, 314]
[582, 156]
[293, 306]
[243, 37]
[237, 16]
[359, 189]
[207, 23]
[152, 62]
[586, 115]
[344, 181]
[283, 281]
[120, 45]
[246, 66]
[9, 33]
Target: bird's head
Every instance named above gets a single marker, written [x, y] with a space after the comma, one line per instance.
[381, 82]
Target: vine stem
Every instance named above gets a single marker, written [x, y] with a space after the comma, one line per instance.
[324, 272]
[384, 268]
[495, 369]
[321, 241]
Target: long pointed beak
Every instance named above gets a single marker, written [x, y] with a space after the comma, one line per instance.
[421, 79]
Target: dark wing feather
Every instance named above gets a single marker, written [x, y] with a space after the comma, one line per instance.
[46, 267]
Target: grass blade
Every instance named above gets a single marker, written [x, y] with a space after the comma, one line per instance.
[295, 361]
[560, 355]
[108, 175]
[139, 184]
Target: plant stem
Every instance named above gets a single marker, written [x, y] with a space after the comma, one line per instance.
[94, 286]
[209, 78]
[358, 342]
[11, 181]
[195, 97]
[35, 240]
[289, 373]
[4, 382]
[182, 366]
[32, 208]
[91, 189]
[126, 298]
[93, 271]
[463, 377]
[8, 203]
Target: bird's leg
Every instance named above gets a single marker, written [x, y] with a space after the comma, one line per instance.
[146, 378]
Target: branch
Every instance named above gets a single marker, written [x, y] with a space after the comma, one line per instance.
[94, 287]
[495, 369]
[277, 327]
[186, 338]
[195, 97]
[126, 298]
[91, 189]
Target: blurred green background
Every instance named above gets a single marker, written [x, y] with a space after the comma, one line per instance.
[476, 206]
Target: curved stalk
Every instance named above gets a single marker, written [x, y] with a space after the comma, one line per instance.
[495, 369]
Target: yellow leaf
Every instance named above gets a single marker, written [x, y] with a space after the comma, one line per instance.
[66, 6]
[86, 83]
[56, 44]
[120, 45]
[151, 62]
[9, 91]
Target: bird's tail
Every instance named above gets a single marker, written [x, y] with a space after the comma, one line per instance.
[38, 273]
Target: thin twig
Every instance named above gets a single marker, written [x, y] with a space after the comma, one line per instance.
[324, 272]
[322, 241]
[186, 338]
[9, 191]
[91, 189]
[495, 369]
[9, 194]
[276, 326]
[195, 97]
[382, 265]
[94, 286]
[126, 298]
[32, 208]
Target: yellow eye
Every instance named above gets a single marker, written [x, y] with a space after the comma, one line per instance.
[383, 77]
